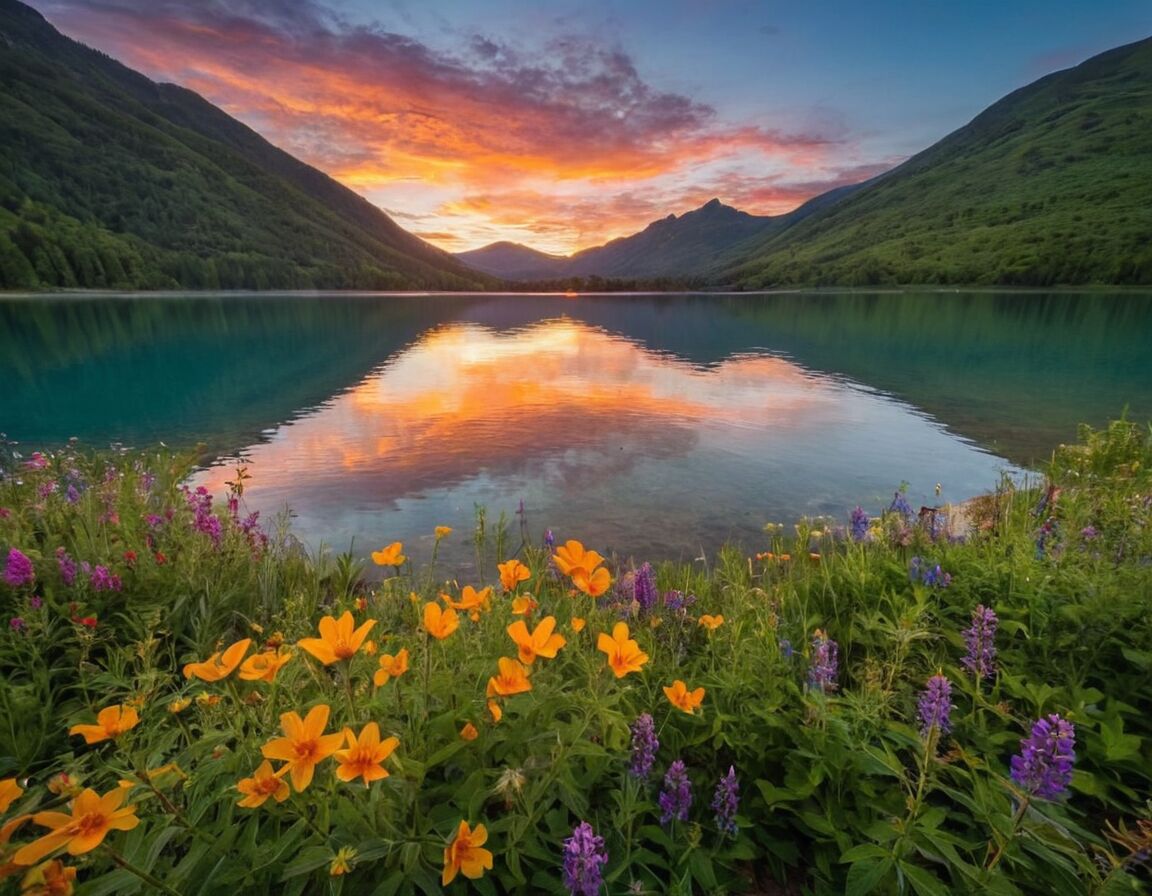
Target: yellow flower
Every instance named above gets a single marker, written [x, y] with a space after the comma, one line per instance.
[111, 722]
[711, 622]
[469, 732]
[52, 878]
[464, 854]
[513, 679]
[577, 624]
[593, 584]
[264, 666]
[391, 667]
[206, 699]
[179, 705]
[343, 861]
[92, 817]
[370, 648]
[443, 532]
[624, 654]
[540, 642]
[440, 623]
[9, 792]
[497, 712]
[513, 573]
[471, 600]
[682, 698]
[220, 664]
[390, 555]
[571, 555]
[305, 745]
[264, 783]
[524, 605]
[364, 755]
[339, 639]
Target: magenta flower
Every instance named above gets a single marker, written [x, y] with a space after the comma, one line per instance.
[18, 570]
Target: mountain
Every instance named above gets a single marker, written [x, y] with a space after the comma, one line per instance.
[108, 179]
[514, 261]
[1050, 185]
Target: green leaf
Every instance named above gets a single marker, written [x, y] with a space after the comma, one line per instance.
[310, 859]
[924, 882]
[865, 875]
[864, 851]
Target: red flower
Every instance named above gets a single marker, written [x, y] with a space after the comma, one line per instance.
[160, 558]
[130, 558]
[89, 621]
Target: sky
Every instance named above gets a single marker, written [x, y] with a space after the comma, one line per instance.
[562, 125]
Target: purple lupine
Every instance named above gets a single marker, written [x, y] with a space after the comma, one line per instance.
[102, 579]
[18, 570]
[1043, 767]
[936, 577]
[980, 639]
[786, 649]
[935, 706]
[72, 494]
[858, 524]
[676, 798]
[726, 802]
[823, 664]
[549, 539]
[644, 747]
[644, 588]
[678, 601]
[1089, 533]
[901, 506]
[67, 566]
[584, 853]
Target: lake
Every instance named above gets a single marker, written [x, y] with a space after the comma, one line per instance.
[657, 426]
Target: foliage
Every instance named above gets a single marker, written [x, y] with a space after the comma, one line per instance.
[1047, 186]
[812, 657]
[178, 195]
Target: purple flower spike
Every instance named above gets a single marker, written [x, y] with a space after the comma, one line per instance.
[583, 855]
[644, 588]
[935, 706]
[644, 747]
[18, 570]
[726, 802]
[676, 798]
[824, 663]
[858, 524]
[980, 639]
[1044, 766]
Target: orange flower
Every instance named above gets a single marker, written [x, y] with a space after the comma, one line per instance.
[469, 732]
[390, 555]
[464, 854]
[339, 639]
[52, 878]
[513, 573]
[264, 666]
[442, 532]
[497, 712]
[9, 792]
[365, 754]
[305, 745]
[524, 605]
[391, 667]
[179, 705]
[541, 642]
[92, 817]
[513, 679]
[471, 600]
[571, 555]
[711, 622]
[593, 584]
[343, 861]
[682, 698]
[577, 624]
[264, 783]
[111, 722]
[440, 623]
[624, 654]
[220, 664]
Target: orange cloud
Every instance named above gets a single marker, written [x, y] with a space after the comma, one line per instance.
[376, 109]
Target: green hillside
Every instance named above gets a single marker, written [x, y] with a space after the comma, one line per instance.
[108, 179]
[1051, 185]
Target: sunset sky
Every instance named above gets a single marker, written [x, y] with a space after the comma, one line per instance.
[563, 125]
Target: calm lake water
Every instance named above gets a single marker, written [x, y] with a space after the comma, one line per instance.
[656, 426]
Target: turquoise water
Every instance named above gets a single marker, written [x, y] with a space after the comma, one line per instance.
[656, 426]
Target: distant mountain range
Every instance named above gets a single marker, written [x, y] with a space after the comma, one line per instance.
[108, 179]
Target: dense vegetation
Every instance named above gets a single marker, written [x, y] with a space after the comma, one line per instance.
[889, 703]
[1048, 186]
[108, 180]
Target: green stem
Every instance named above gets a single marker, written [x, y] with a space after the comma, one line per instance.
[140, 873]
[1001, 848]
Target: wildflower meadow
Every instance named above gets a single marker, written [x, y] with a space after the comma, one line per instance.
[900, 700]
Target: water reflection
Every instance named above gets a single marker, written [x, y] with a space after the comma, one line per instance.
[592, 429]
